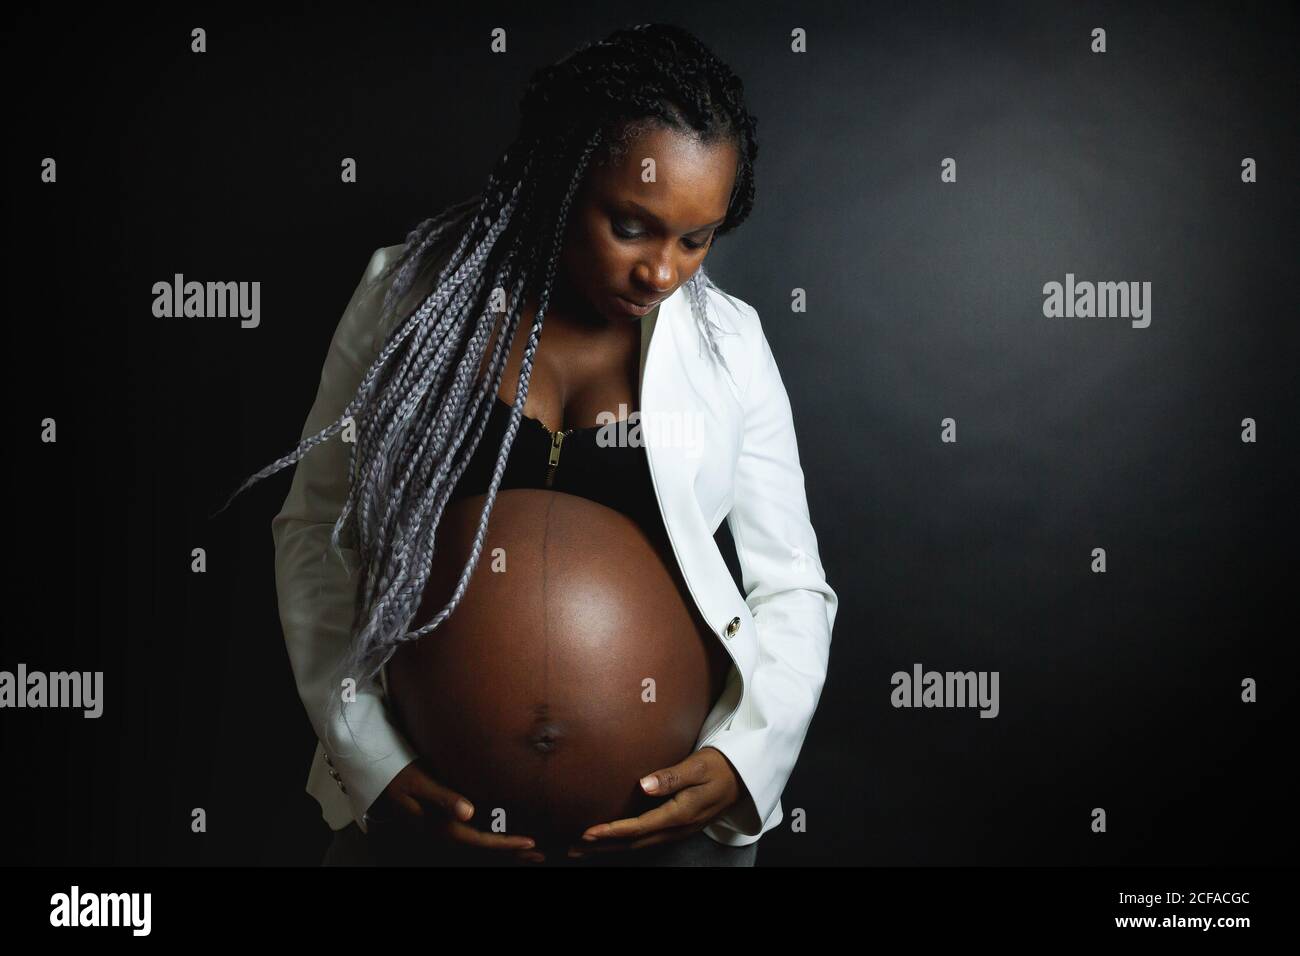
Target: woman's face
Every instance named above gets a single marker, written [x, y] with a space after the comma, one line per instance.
[634, 242]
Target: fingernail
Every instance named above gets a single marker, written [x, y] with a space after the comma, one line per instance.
[590, 838]
[464, 809]
[650, 783]
[529, 844]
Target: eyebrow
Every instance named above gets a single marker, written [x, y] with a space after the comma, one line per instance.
[651, 216]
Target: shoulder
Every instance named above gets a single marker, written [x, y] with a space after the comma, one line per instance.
[730, 311]
[739, 333]
[381, 260]
[381, 272]
[380, 276]
[364, 327]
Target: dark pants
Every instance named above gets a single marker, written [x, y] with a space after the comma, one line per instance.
[351, 847]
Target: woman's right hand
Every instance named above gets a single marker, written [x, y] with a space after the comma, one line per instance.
[414, 799]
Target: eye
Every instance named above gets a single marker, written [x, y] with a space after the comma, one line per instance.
[623, 231]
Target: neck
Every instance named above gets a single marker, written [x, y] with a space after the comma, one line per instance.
[569, 309]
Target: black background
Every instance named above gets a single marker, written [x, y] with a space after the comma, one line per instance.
[1119, 690]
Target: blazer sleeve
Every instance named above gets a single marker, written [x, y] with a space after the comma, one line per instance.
[786, 591]
[316, 591]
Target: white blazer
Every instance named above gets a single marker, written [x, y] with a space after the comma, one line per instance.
[778, 633]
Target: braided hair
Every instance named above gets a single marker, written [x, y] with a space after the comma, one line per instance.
[419, 412]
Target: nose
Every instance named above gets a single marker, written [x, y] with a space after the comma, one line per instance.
[656, 276]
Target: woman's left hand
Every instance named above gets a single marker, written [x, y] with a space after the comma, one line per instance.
[701, 786]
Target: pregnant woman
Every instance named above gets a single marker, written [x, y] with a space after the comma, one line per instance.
[505, 610]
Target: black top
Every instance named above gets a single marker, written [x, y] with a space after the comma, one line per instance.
[617, 476]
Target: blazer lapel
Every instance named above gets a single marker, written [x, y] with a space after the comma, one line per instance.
[647, 331]
[667, 391]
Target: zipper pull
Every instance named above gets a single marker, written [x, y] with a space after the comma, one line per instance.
[557, 439]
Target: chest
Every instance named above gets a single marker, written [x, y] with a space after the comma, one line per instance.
[578, 377]
[653, 378]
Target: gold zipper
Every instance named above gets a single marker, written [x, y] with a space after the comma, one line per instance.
[553, 459]
[557, 439]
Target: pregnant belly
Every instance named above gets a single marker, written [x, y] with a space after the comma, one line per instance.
[574, 664]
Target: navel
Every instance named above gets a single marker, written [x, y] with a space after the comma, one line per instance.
[544, 736]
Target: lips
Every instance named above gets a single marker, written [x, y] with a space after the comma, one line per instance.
[628, 306]
[641, 305]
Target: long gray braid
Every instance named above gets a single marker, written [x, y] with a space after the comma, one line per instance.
[421, 407]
